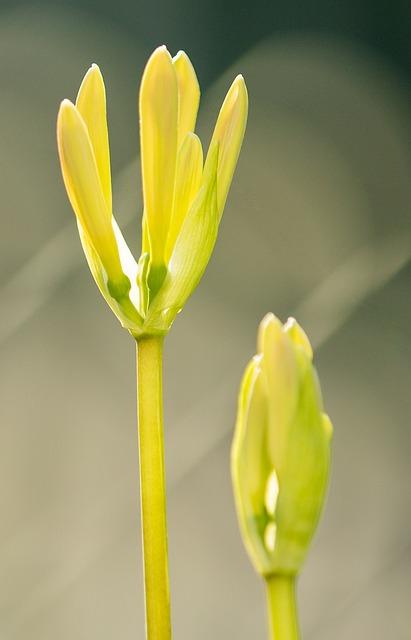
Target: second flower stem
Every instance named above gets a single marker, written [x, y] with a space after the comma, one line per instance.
[152, 487]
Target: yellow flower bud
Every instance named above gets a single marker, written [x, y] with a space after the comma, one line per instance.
[281, 450]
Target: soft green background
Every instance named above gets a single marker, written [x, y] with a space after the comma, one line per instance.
[318, 224]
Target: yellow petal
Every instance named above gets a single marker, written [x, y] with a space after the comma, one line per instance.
[269, 325]
[229, 133]
[84, 189]
[327, 425]
[280, 368]
[191, 252]
[91, 103]
[298, 336]
[188, 94]
[158, 140]
[250, 466]
[188, 179]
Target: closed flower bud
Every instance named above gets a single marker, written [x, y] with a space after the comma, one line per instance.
[281, 450]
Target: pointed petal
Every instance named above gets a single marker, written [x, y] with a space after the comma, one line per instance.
[305, 477]
[327, 426]
[229, 133]
[193, 248]
[84, 189]
[298, 336]
[188, 179]
[249, 444]
[249, 468]
[281, 374]
[158, 140]
[188, 94]
[91, 103]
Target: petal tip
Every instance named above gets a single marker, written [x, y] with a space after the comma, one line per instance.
[240, 85]
[66, 103]
[66, 109]
[94, 70]
[160, 62]
[298, 336]
[269, 325]
[180, 54]
[158, 53]
[268, 319]
[93, 73]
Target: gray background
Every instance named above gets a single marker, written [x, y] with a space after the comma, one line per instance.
[317, 225]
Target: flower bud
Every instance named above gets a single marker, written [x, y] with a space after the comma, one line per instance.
[281, 450]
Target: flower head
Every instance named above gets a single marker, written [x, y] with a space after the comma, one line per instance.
[184, 197]
[281, 449]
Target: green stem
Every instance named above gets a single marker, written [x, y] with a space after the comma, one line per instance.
[282, 609]
[152, 487]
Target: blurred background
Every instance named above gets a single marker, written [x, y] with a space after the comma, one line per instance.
[318, 225]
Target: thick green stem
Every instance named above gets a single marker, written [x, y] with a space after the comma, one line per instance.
[152, 488]
[282, 609]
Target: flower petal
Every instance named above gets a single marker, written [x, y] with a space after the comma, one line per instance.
[281, 375]
[249, 466]
[192, 250]
[229, 134]
[84, 189]
[91, 103]
[188, 179]
[188, 94]
[158, 139]
[298, 336]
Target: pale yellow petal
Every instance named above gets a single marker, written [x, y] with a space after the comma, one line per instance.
[84, 188]
[229, 133]
[298, 336]
[188, 180]
[249, 465]
[191, 252]
[188, 94]
[327, 425]
[91, 103]
[281, 375]
[270, 324]
[158, 139]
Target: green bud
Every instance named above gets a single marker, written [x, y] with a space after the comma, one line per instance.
[281, 450]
